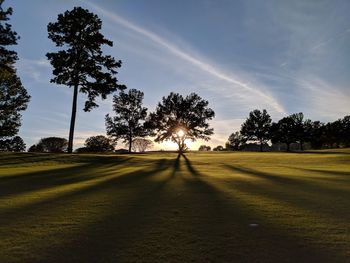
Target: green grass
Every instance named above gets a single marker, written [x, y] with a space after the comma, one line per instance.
[164, 208]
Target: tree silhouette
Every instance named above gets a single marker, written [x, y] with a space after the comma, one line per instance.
[15, 144]
[235, 142]
[51, 145]
[283, 132]
[141, 144]
[179, 118]
[218, 148]
[204, 148]
[128, 121]
[13, 96]
[8, 38]
[99, 143]
[82, 65]
[257, 127]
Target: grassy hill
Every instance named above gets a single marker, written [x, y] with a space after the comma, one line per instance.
[161, 207]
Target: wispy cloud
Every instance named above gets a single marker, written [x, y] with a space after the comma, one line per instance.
[194, 61]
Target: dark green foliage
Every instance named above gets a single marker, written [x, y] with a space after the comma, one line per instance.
[50, 145]
[13, 96]
[235, 142]
[218, 148]
[8, 37]
[346, 131]
[128, 122]
[283, 131]
[204, 148]
[176, 113]
[82, 64]
[14, 144]
[141, 144]
[13, 99]
[98, 143]
[36, 148]
[257, 127]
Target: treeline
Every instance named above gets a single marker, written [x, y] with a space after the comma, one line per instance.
[293, 132]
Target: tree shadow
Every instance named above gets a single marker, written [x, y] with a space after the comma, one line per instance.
[231, 211]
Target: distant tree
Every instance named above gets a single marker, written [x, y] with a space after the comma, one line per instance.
[13, 96]
[179, 118]
[82, 65]
[128, 123]
[218, 148]
[52, 145]
[317, 134]
[204, 148]
[82, 150]
[301, 128]
[99, 143]
[235, 142]
[15, 144]
[141, 144]
[36, 148]
[283, 132]
[257, 127]
[346, 130]
[333, 132]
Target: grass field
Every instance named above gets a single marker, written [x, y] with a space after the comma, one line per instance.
[161, 207]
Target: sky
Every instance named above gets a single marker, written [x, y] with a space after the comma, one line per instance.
[283, 56]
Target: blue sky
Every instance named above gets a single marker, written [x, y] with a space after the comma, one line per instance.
[284, 56]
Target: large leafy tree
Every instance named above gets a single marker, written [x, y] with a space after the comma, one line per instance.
[283, 131]
[128, 122]
[8, 37]
[235, 142]
[81, 63]
[13, 96]
[301, 128]
[257, 127]
[179, 118]
[50, 144]
[99, 143]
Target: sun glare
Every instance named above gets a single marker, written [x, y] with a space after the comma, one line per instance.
[180, 133]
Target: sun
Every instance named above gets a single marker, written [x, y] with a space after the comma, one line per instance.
[180, 133]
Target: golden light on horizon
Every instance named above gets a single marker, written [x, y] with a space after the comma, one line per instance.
[180, 133]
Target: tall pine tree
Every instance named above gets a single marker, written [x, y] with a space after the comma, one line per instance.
[81, 64]
[13, 96]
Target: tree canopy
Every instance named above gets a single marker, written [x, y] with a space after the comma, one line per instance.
[179, 118]
[128, 122]
[13, 96]
[99, 143]
[50, 145]
[81, 64]
[257, 127]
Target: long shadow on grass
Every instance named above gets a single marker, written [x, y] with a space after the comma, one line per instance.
[105, 181]
[263, 240]
[301, 183]
[40, 180]
[298, 193]
[113, 236]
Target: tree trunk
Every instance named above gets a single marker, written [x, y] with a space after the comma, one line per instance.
[72, 119]
[301, 146]
[261, 146]
[288, 149]
[130, 144]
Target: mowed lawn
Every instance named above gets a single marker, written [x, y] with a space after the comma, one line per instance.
[161, 207]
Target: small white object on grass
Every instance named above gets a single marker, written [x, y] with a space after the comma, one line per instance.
[253, 225]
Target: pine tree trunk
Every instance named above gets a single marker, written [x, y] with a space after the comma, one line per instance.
[130, 144]
[72, 120]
